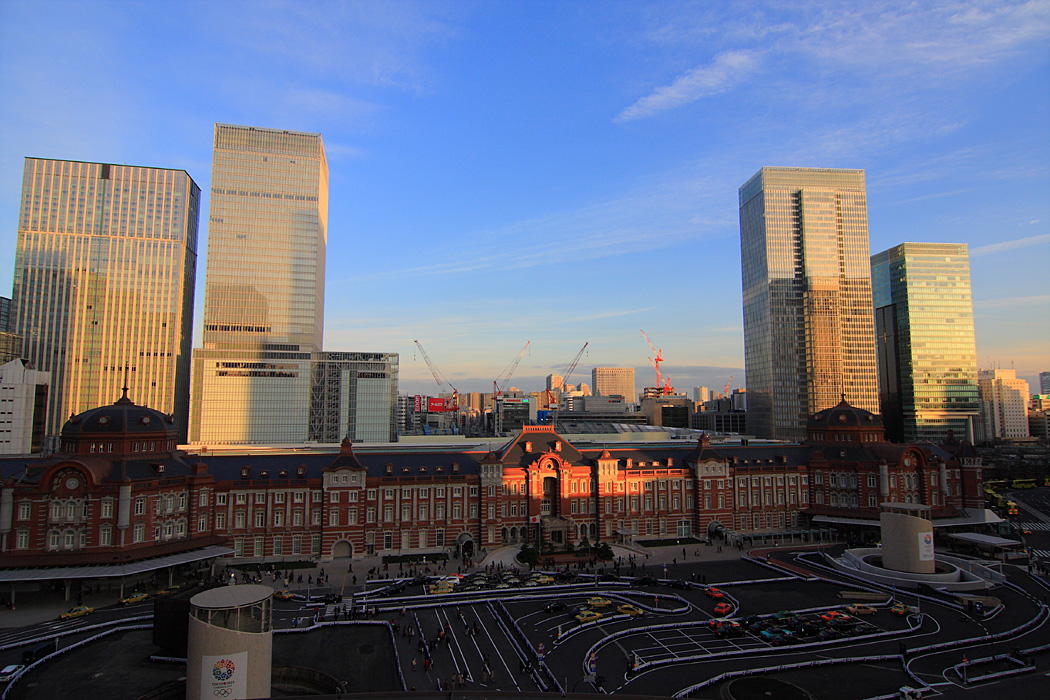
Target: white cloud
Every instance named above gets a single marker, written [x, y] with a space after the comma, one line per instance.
[726, 71]
[1012, 302]
[1003, 246]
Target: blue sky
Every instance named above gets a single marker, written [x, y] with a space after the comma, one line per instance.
[562, 172]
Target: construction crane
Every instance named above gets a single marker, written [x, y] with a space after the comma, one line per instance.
[567, 373]
[507, 373]
[725, 389]
[439, 378]
[659, 357]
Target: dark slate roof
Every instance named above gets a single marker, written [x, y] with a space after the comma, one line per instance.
[101, 468]
[123, 416]
[514, 454]
[843, 416]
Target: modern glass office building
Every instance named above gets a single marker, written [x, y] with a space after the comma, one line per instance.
[261, 376]
[926, 349]
[264, 287]
[809, 335]
[103, 283]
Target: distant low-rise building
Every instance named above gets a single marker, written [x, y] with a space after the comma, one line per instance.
[1004, 400]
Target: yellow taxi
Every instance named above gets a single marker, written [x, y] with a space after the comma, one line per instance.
[134, 598]
[79, 611]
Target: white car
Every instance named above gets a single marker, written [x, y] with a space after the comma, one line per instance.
[9, 672]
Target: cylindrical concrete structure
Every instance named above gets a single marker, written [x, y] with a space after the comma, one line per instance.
[230, 645]
[907, 538]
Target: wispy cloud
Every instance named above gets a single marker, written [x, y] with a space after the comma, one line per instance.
[1003, 246]
[610, 314]
[726, 71]
[1012, 302]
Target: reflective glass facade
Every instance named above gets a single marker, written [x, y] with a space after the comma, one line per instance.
[104, 279]
[264, 287]
[809, 334]
[267, 233]
[926, 349]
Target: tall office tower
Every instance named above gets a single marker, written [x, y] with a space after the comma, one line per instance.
[1044, 382]
[614, 381]
[701, 394]
[264, 287]
[809, 336]
[925, 341]
[555, 381]
[104, 276]
[1006, 403]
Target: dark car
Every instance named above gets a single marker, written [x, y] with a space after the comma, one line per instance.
[567, 576]
[555, 606]
[330, 598]
[748, 621]
[680, 583]
[645, 581]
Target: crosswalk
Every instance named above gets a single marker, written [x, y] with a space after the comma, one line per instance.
[1041, 554]
[1042, 527]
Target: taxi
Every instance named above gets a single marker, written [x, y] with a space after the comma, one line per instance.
[628, 609]
[134, 598]
[598, 602]
[283, 595]
[79, 611]
[588, 616]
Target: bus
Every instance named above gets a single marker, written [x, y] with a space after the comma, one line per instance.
[1011, 508]
[1024, 484]
[996, 484]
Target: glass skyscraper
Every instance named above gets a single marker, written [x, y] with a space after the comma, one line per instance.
[104, 278]
[809, 335]
[926, 349]
[264, 286]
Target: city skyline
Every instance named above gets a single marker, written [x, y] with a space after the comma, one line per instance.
[601, 182]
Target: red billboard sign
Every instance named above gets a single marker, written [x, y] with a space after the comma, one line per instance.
[419, 403]
[435, 405]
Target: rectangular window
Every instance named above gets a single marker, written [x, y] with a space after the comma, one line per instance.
[439, 538]
[23, 510]
[241, 499]
[333, 517]
[298, 497]
[334, 497]
[315, 516]
[297, 518]
[278, 497]
[140, 506]
[139, 532]
[202, 523]
[220, 521]
[316, 496]
[370, 494]
[260, 499]
[238, 519]
[278, 518]
[260, 518]
[297, 544]
[473, 491]
[202, 498]
[388, 540]
[220, 499]
[457, 511]
[370, 515]
[23, 539]
[278, 546]
[351, 496]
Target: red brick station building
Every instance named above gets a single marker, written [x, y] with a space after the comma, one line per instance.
[121, 501]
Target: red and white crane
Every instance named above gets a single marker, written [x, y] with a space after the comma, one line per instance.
[655, 361]
[440, 378]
